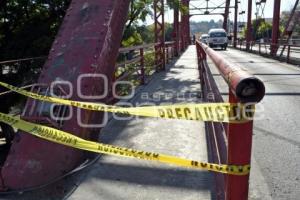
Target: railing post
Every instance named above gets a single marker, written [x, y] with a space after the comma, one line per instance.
[142, 65]
[288, 54]
[239, 153]
[167, 49]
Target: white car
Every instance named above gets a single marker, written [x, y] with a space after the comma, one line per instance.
[204, 38]
[217, 38]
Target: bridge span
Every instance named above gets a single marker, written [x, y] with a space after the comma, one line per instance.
[275, 145]
[214, 151]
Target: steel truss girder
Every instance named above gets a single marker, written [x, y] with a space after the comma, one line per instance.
[159, 29]
[87, 43]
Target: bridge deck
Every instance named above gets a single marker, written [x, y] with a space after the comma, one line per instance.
[119, 178]
[276, 141]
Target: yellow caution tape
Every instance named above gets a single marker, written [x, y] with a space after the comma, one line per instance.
[214, 112]
[70, 140]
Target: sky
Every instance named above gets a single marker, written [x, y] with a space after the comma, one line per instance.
[268, 10]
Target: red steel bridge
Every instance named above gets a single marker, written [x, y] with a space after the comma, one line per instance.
[86, 48]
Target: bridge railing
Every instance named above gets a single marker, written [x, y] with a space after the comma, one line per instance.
[136, 64]
[228, 143]
[289, 53]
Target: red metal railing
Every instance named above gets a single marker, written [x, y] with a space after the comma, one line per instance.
[289, 53]
[228, 143]
[137, 63]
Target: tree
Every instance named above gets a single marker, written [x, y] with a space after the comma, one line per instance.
[138, 11]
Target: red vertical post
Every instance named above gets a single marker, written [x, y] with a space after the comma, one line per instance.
[93, 30]
[188, 27]
[249, 25]
[275, 27]
[159, 29]
[176, 30]
[167, 52]
[182, 32]
[226, 14]
[142, 65]
[236, 10]
[239, 153]
[288, 54]
[182, 46]
[185, 25]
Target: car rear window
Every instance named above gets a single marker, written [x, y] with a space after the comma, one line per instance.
[218, 34]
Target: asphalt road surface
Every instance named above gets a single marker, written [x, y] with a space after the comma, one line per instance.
[276, 140]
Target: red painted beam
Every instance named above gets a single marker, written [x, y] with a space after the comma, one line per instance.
[249, 25]
[239, 153]
[176, 37]
[275, 27]
[87, 43]
[235, 28]
[226, 14]
[185, 25]
[159, 31]
[243, 85]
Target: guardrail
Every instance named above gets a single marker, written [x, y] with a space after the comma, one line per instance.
[135, 63]
[289, 53]
[228, 143]
[138, 63]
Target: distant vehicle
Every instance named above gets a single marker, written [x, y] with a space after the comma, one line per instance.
[217, 38]
[204, 38]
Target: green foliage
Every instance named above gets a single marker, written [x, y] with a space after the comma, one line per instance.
[138, 11]
[176, 4]
[134, 38]
[264, 30]
[261, 29]
[28, 27]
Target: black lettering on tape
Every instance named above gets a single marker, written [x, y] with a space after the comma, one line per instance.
[187, 112]
[194, 163]
[204, 165]
[219, 168]
[155, 155]
[69, 140]
[249, 111]
[234, 113]
[241, 169]
[198, 114]
[170, 113]
[220, 115]
[178, 113]
[161, 113]
[75, 141]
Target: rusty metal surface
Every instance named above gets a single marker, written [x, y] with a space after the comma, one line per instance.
[225, 143]
[159, 33]
[226, 15]
[275, 27]
[87, 43]
[215, 132]
[185, 26]
[249, 25]
[244, 86]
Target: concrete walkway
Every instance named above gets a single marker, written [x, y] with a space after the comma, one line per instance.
[115, 178]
